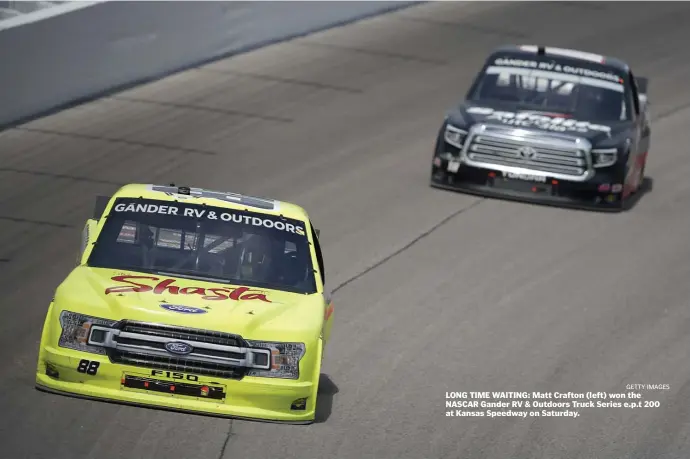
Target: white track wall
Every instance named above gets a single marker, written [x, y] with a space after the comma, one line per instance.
[60, 59]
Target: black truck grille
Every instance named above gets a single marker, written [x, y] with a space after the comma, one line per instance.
[183, 333]
[176, 364]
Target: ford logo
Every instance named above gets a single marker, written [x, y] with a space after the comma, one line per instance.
[178, 347]
[183, 309]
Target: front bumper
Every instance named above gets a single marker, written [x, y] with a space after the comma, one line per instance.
[266, 399]
[603, 192]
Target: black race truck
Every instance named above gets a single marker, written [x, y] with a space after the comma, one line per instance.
[548, 125]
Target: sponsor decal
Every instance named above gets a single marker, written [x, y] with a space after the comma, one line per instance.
[539, 120]
[528, 177]
[556, 67]
[616, 188]
[453, 166]
[137, 284]
[178, 348]
[205, 213]
[183, 309]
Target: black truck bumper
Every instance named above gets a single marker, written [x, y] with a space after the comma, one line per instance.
[597, 194]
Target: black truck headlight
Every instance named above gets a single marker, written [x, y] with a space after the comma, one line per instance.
[285, 358]
[604, 157]
[454, 136]
[76, 329]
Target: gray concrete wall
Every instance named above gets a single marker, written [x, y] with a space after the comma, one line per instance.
[62, 59]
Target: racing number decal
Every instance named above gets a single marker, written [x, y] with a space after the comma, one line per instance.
[88, 367]
[174, 375]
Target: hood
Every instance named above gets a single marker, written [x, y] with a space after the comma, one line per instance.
[247, 311]
[504, 114]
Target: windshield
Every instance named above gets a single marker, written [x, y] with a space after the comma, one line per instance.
[582, 93]
[206, 243]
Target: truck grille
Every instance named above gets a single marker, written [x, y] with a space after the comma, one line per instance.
[183, 333]
[212, 353]
[175, 364]
[523, 151]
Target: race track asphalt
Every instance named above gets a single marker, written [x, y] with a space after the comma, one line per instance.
[436, 291]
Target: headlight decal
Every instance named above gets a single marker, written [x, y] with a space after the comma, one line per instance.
[454, 136]
[604, 157]
[285, 359]
[75, 331]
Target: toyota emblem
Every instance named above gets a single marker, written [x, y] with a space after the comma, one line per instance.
[527, 152]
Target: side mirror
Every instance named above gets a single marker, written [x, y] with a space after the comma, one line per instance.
[86, 239]
[644, 102]
[318, 233]
[643, 92]
[100, 205]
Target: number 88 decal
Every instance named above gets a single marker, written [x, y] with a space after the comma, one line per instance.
[88, 367]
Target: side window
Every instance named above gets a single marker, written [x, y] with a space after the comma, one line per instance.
[319, 255]
[635, 97]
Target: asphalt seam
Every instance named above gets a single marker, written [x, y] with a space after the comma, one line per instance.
[407, 246]
[227, 440]
[373, 52]
[466, 27]
[276, 79]
[202, 108]
[672, 111]
[60, 176]
[35, 222]
[133, 143]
